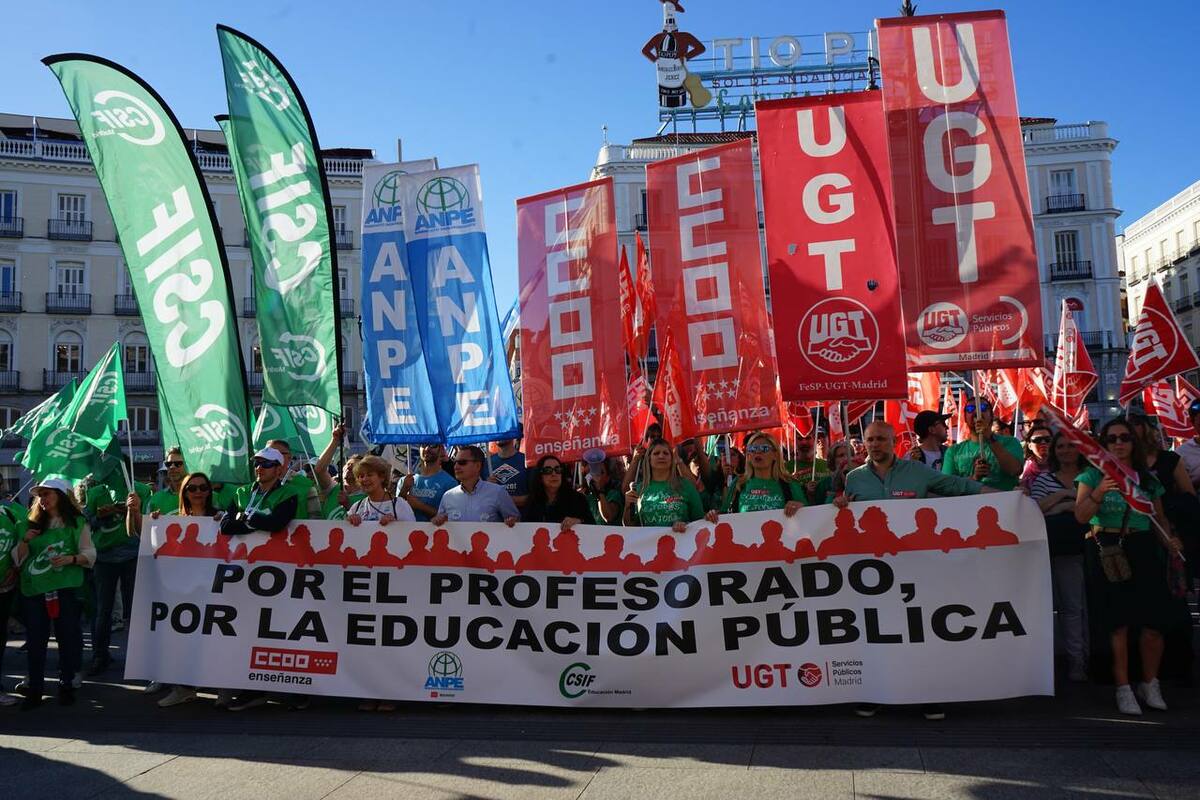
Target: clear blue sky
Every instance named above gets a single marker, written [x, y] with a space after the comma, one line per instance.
[523, 86]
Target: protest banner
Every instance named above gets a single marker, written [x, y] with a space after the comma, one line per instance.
[908, 601]
[1160, 348]
[964, 231]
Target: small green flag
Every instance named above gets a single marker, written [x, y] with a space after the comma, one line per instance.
[99, 404]
[44, 412]
[307, 429]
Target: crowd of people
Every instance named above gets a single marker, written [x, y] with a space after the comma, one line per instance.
[1116, 572]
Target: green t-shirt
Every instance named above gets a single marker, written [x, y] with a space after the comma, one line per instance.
[808, 470]
[613, 495]
[264, 504]
[960, 460]
[110, 530]
[331, 509]
[760, 494]
[164, 501]
[224, 496]
[1112, 507]
[303, 487]
[12, 528]
[660, 504]
[37, 574]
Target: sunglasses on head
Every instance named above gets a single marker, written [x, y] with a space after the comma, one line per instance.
[1114, 438]
[553, 470]
[759, 448]
[198, 487]
[971, 408]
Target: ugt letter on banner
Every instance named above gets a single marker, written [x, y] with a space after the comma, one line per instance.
[964, 230]
[707, 267]
[572, 367]
[830, 248]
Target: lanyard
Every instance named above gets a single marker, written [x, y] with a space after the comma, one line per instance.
[257, 499]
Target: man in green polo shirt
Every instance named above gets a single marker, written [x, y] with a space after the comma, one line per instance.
[994, 459]
[885, 477]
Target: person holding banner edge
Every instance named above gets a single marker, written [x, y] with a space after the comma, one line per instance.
[475, 500]
[763, 485]
[424, 488]
[993, 459]
[1125, 566]
[662, 495]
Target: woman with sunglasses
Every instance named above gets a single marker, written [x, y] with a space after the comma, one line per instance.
[1037, 453]
[1054, 491]
[763, 486]
[1125, 566]
[660, 494]
[552, 498]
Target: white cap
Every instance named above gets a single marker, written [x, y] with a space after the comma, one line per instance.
[270, 454]
[52, 483]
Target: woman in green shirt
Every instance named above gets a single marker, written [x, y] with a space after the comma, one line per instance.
[1126, 566]
[763, 486]
[829, 486]
[661, 494]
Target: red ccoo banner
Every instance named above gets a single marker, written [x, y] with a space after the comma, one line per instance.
[830, 247]
[964, 230]
[572, 360]
[708, 287]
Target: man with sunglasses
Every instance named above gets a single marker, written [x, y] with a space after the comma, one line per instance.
[993, 459]
[1189, 451]
[475, 500]
[931, 430]
[424, 489]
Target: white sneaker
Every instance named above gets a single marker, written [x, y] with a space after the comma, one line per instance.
[1126, 702]
[1151, 695]
[8, 700]
[178, 696]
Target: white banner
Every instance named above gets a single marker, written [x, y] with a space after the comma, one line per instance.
[901, 601]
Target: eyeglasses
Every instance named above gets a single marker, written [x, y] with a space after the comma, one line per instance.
[262, 463]
[760, 448]
[1040, 440]
[174, 463]
[1114, 438]
[553, 470]
[970, 408]
[464, 461]
[196, 488]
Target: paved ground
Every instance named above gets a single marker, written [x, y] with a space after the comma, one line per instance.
[116, 743]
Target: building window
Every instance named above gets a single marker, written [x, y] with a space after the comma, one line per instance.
[69, 278]
[343, 284]
[8, 276]
[1184, 293]
[9, 416]
[143, 419]
[256, 364]
[135, 356]
[71, 207]
[339, 219]
[1066, 247]
[68, 353]
[6, 353]
[8, 205]
[125, 279]
[1062, 181]
[1133, 267]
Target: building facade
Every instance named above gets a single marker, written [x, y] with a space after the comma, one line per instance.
[1074, 215]
[1164, 246]
[65, 295]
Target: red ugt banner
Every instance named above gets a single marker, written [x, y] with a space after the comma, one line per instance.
[964, 231]
[830, 248]
[572, 364]
[708, 287]
[1160, 349]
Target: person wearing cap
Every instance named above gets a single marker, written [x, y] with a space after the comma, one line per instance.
[930, 427]
[475, 500]
[299, 484]
[52, 556]
[1189, 451]
[506, 467]
[993, 459]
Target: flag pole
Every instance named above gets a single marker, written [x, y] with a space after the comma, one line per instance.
[816, 435]
[129, 442]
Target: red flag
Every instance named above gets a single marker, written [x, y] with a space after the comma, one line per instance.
[647, 308]
[1185, 395]
[1007, 395]
[1074, 375]
[801, 418]
[924, 391]
[572, 374]
[968, 264]
[1034, 390]
[833, 416]
[637, 401]
[835, 297]
[709, 289]
[857, 409]
[962, 431]
[670, 395]
[628, 307]
[1160, 350]
[1162, 400]
[897, 414]
[1126, 478]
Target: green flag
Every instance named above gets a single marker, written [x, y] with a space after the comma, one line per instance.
[307, 429]
[59, 452]
[176, 260]
[285, 198]
[43, 413]
[99, 404]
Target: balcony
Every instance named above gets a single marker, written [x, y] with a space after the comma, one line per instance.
[248, 307]
[139, 382]
[639, 222]
[68, 303]
[10, 301]
[1183, 303]
[1071, 271]
[53, 380]
[125, 305]
[10, 381]
[1069, 132]
[144, 437]
[1063, 203]
[254, 381]
[1092, 340]
[69, 230]
[12, 227]
[349, 379]
[1196, 299]
[343, 238]
[346, 306]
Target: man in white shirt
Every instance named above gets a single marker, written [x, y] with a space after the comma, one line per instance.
[474, 500]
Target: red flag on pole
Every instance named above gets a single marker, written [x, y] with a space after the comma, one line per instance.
[637, 402]
[1162, 399]
[857, 409]
[1127, 480]
[670, 394]
[1160, 350]
[628, 307]
[1074, 374]
[646, 308]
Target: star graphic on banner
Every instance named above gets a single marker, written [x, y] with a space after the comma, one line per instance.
[724, 388]
[588, 413]
[712, 387]
[558, 415]
[735, 383]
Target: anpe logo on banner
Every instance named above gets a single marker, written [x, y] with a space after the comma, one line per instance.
[128, 117]
[444, 202]
[942, 325]
[311, 662]
[445, 674]
[385, 208]
[838, 336]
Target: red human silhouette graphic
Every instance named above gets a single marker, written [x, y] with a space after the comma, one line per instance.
[989, 533]
[171, 545]
[418, 548]
[334, 554]
[478, 557]
[441, 553]
[951, 539]
[566, 553]
[703, 550]
[220, 548]
[925, 537]
[504, 561]
[724, 549]
[666, 560]
[845, 539]
[878, 538]
[804, 549]
[612, 560]
[772, 547]
[378, 555]
[540, 556]
[275, 548]
[302, 551]
[239, 552]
